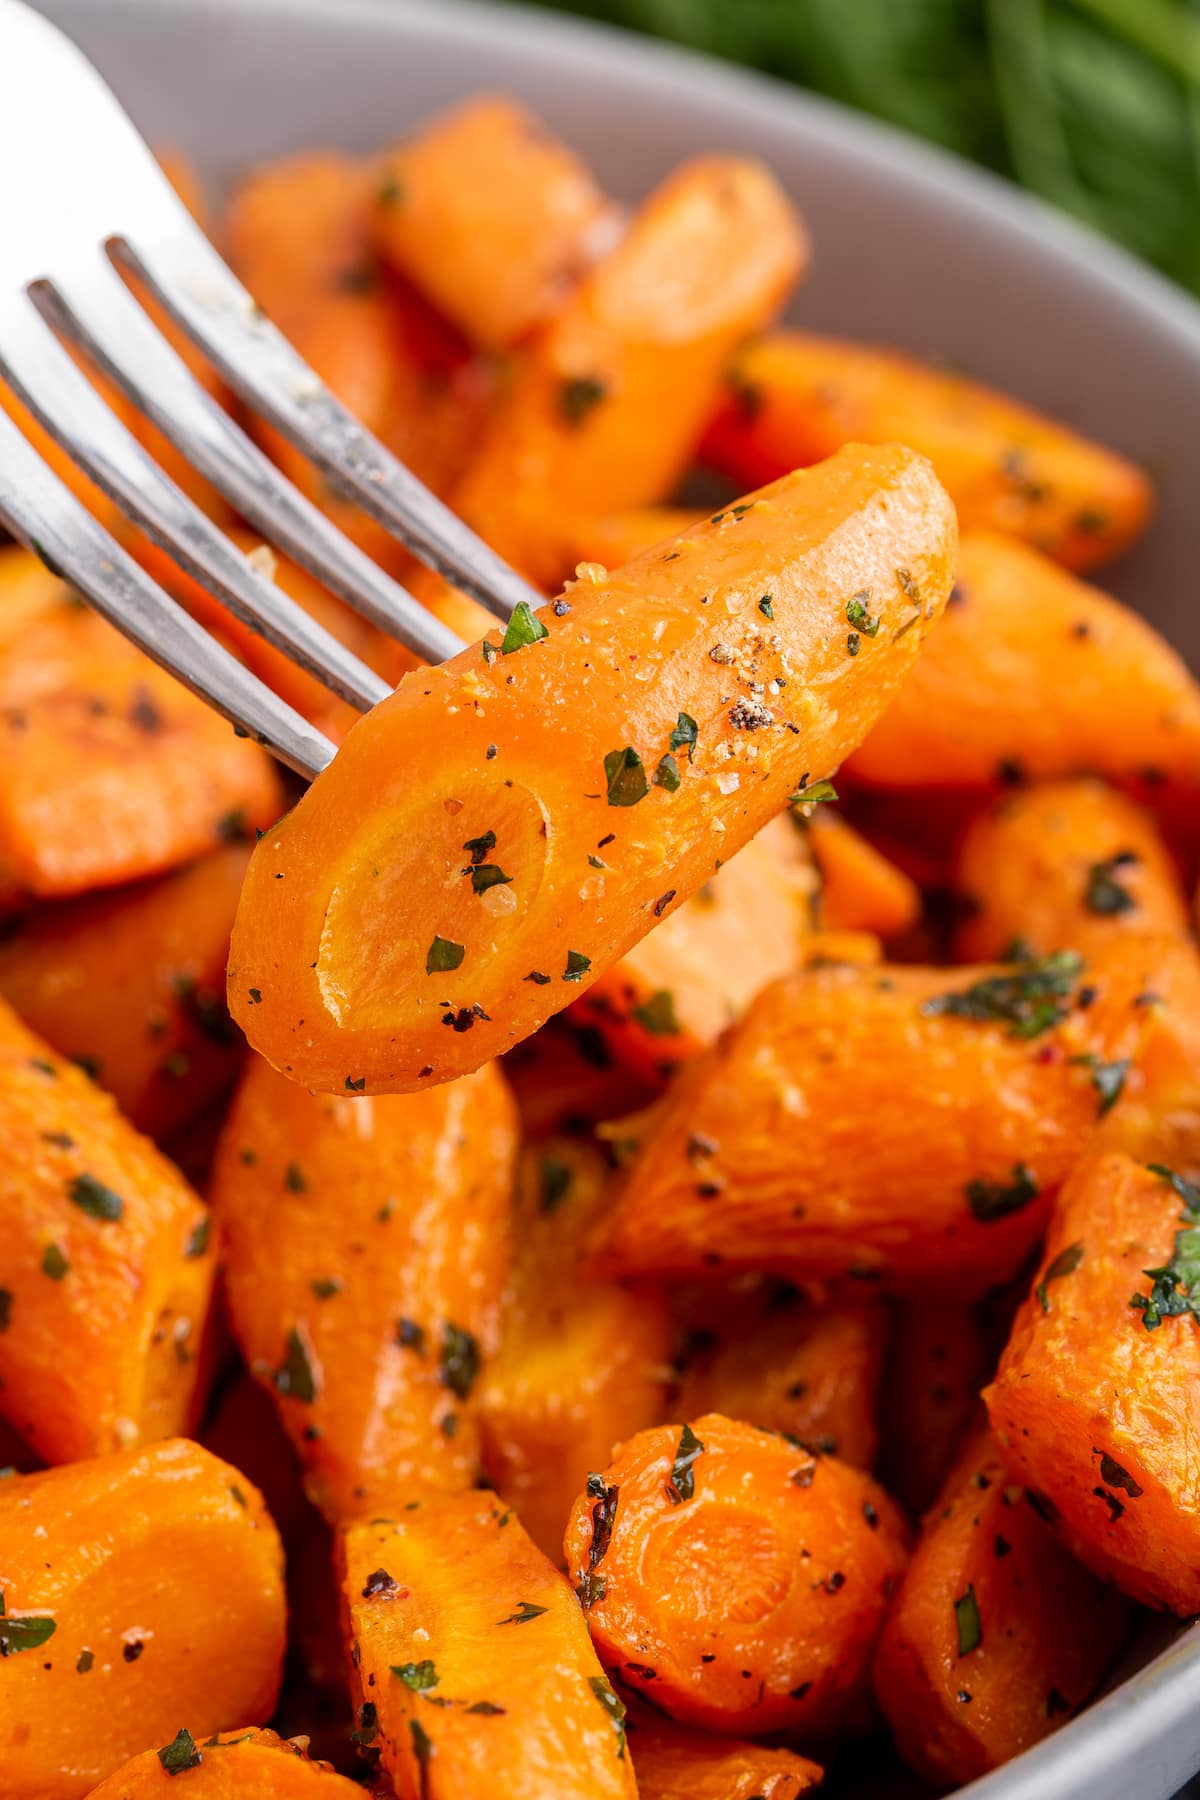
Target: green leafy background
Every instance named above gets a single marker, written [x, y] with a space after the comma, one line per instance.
[1094, 104]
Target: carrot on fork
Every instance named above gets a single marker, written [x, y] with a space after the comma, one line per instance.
[417, 913]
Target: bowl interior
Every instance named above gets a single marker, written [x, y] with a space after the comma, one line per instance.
[911, 248]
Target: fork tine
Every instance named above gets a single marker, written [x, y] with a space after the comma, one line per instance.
[39, 369]
[93, 307]
[40, 511]
[206, 298]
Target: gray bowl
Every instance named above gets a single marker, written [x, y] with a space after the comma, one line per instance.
[912, 248]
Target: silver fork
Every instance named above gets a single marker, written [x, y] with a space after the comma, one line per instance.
[83, 199]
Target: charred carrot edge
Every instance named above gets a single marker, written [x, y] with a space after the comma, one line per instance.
[1101, 1353]
[473, 1663]
[794, 398]
[367, 1247]
[710, 1548]
[499, 784]
[1030, 1054]
[108, 1266]
[139, 1589]
[996, 1635]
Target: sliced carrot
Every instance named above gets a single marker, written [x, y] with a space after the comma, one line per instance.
[620, 536]
[605, 405]
[139, 1589]
[1096, 1403]
[377, 947]
[228, 1764]
[109, 769]
[491, 216]
[131, 985]
[772, 1357]
[676, 991]
[758, 1156]
[367, 1244]
[794, 398]
[674, 1764]
[473, 1662]
[1034, 675]
[937, 1361]
[860, 889]
[107, 1267]
[996, 1636]
[581, 1364]
[709, 1549]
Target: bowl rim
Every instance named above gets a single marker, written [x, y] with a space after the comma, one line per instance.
[1129, 1723]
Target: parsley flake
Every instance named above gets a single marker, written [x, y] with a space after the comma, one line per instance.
[525, 1612]
[577, 965]
[1028, 1002]
[966, 1617]
[54, 1263]
[684, 735]
[296, 1377]
[682, 1485]
[419, 1676]
[1065, 1263]
[443, 955]
[577, 396]
[1103, 893]
[459, 1364]
[657, 1014]
[95, 1199]
[180, 1754]
[667, 775]
[625, 777]
[992, 1200]
[524, 627]
[613, 1708]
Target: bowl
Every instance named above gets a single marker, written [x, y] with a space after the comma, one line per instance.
[911, 247]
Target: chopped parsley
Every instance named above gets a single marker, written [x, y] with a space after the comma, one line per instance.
[180, 1754]
[992, 1200]
[487, 875]
[294, 1179]
[555, 1181]
[667, 775]
[819, 794]
[197, 1243]
[524, 627]
[614, 1709]
[1065, 1263]
[577, 965]
[296, 1377]
[54, 1263]
[1108, 1078]
[458, 1365]
[478, 847]
[1103, 893]
[526, 1611]
[858, 616]
[325, 1287]
[94, 1198]
[1028, 1002]
[657, 1014]
[1175, 1286]
[443, 955]
[419, 1676]
[682, 1484]
[592, 1586]
[539, 978]
[625, 777]
[356, 1084]
[28, 1632]
[966, 1618]
[577, 395]
[684, 736]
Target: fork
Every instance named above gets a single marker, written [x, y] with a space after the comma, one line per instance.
[73, 225]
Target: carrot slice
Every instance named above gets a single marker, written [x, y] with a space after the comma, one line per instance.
[367, 1244]
[620, 536]
[492, 217]
[606, 403]
[674, 1764]
[1034, 675]
[139, 1589]
[772, 1357]
[676, 991]
[860, 889]
[109, 769]
[794, 398]
[379, 948]
[707, 1549]
[131, 985]
[107, 1267]
[227, 1764]
[1096, 1403]
[757, 1157]
[473, 1661]
[996, 1636]
[581, 1363]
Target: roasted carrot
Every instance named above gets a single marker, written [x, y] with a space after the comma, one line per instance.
[366, 915]
[473, 1662]
[676, 991]
[109, 769]
[674, 1764]
[566, 1078]
[1033, 674]
[107, 1266]
[860, 889]
[139, 1589]
[605, 404]
[794, 398]
[130, 984]
[759, 1156]
[709, 1549]
[776, 1359]
[620, 536]
[996, 1635]
[226, 1765]
[1096, 1403]
[937, 1361]
[367, 1244]
[1077, 863]
[581, 1364]
[494, 219]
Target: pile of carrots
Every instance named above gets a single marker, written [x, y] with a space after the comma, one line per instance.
[645, 1279]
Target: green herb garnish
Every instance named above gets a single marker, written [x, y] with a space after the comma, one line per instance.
[459, 1363]
[524, 1613]
[95, 1199]
[443, 955]
[524, 627]
[684, 735]
[657, 1014]
[625, 777]
[296, 1377]
[1028, 1002]
[966, 1617]
[992, 1200]
[614, 1709]
[180, 1754]
[682, 1484]
[1065, 1263]
[54, 1263]
[419, 1676]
